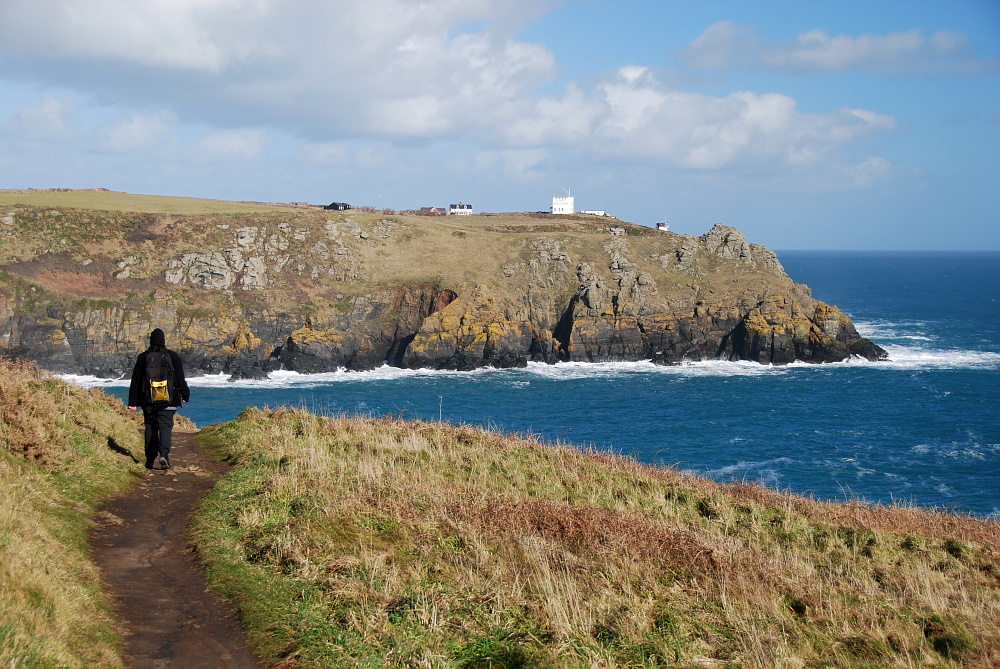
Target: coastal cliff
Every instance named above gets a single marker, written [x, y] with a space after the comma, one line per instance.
[311, 291]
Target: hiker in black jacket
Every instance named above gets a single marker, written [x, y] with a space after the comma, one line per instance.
[158, 413]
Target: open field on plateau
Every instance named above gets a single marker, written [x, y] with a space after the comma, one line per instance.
[106, 200]
[380, 542]
[65, 237]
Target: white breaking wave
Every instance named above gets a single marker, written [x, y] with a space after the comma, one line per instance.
[767, 472]
[289, 379]
[742, 467]
[566, 371]
[900, 357]
[93, 381]
[906, 357]
[877, 330]
[911, 345]
[284, 378]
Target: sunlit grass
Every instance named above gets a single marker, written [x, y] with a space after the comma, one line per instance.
[62, 449]
[380, 542]
[106, 200]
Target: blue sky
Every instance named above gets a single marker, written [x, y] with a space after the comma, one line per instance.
[847, 125]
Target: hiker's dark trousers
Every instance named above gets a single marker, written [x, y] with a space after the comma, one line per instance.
[159, 425]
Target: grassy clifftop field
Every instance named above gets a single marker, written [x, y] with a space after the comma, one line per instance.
[106, 226]
[382, 542]
[101, 199]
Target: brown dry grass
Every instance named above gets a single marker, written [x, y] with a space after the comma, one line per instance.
[417, 544]
[62, 449]
[81, 284]
[74, 232]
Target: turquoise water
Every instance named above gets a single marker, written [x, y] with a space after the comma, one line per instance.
[922, 427]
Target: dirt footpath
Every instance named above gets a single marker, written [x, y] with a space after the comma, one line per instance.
[152, 578]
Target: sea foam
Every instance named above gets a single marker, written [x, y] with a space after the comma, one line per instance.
[900, 357]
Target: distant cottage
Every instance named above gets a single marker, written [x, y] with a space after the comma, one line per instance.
[460, 209]
[338, 206]
[433, 211]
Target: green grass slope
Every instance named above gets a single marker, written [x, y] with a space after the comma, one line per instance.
[380, 542]
[359, 542]
[63, 449]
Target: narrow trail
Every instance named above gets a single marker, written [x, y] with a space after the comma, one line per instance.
[152, 578]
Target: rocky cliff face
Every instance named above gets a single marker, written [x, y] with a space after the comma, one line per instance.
[245, 295]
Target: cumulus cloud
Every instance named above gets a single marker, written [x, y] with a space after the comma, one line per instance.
[726, 45]
[135, 133]
[632, 115]
[403, 74]
[47, 119]
[870, 170]
[336, 68]
[517, 163]
[185, 34]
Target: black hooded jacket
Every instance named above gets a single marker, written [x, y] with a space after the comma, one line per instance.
[137, 388]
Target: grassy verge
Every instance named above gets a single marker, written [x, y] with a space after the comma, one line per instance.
[385, 543]
[62, 450]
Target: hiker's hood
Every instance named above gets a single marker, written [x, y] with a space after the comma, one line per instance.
[157, 338]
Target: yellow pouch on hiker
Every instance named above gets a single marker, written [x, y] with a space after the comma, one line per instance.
[158, 392]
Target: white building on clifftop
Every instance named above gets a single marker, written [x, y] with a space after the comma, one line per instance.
[563, 205]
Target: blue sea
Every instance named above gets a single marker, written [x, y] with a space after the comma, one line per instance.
[921, 428]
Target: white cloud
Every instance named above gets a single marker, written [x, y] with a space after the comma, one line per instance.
[186, 34]
[47, 119]
[387, 68]
[633, 116]
[516, 163]
[870, 171]
[726, 45]
[392, 76]
[241, 143]
[568, 121]
[713, 49]
[138, 132]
